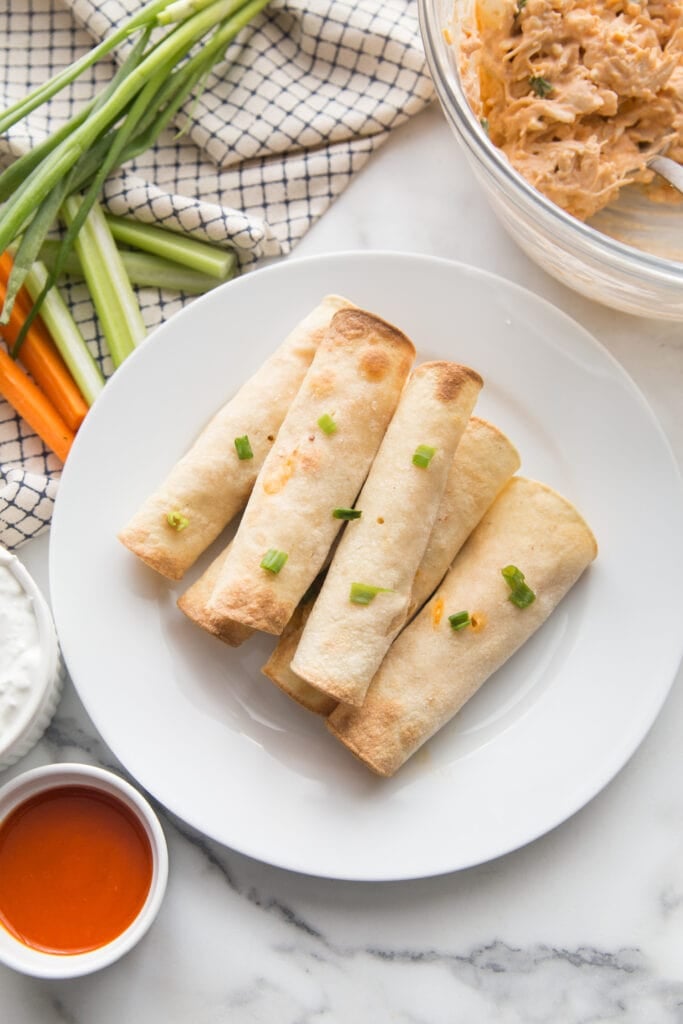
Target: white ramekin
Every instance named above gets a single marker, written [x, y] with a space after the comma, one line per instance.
[26, 960]
[33, 717]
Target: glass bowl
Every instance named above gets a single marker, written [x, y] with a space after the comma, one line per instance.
[602, 260]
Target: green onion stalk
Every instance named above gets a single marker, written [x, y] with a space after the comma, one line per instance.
[144, 96]
[147, 269]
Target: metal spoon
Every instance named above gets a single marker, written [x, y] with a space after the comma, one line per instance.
[668, 169]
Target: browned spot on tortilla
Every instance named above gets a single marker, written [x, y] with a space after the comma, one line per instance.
[282, 472]
[321, 385]
[374, 364]
[307, 346]
[352, 323]
[357, 323]
[450, 378]
[309, 460]
[254, 606]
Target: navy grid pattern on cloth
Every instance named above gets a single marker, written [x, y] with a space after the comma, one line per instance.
[307, 92]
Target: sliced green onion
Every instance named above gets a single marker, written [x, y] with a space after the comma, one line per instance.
[191, 252]
[459, 620]
[327, 424]
[521, 594]
[273, 560]
[541, 86]
[243, 448]
[346, 513]
[364, 593]
[423, 455]
[177, 520]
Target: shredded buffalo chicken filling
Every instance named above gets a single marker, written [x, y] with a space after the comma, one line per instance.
[579, 95]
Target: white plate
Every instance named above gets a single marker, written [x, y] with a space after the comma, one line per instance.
[212, 739]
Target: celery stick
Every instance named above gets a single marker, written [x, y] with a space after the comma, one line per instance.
[66, 335]
[143, 268]
[209, 259]
[109, 286]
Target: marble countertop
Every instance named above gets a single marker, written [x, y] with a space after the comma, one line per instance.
[583, 925]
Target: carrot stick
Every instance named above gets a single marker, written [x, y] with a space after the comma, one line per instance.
[28, 400]
[40, 355]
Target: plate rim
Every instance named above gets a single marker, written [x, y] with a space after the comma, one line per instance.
[615, 366]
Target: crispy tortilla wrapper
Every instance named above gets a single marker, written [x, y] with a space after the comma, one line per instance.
[483, 463]
[432, 670]
[344, 642]
[356, 379]
[194, 600]
[210, 484]
[278, 667]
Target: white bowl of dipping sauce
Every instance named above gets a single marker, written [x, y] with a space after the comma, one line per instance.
[31, 666]
[83, 870]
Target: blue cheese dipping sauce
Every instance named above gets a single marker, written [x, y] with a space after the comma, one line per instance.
[31, 668]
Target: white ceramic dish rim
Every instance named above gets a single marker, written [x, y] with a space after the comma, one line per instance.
[451, 96]
[38, 964]
[394, 280]
[36, 715]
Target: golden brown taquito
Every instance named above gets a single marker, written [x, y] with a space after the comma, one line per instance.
[278, 667]
[194, 600]
[211, 484]
[483, 463]
[432, 669]
[319, 461]
[344, 641]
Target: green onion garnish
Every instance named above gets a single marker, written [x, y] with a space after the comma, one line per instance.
[364, 593]
[327, 424]
[273, 560]
[177, 520]
[243, 448]
[521, 594]
[346, 513]
[541, 86]
[423, 455]
[459, 620]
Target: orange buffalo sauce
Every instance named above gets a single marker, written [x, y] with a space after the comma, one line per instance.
[75, 869]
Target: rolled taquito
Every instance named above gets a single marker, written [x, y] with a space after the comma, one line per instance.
[484, 461]
[194, 600]
[278, 667]
[210, 484]
[366, 594]
[318, 462]
[475, 621]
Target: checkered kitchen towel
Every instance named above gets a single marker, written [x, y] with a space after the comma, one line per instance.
[309, 90]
